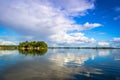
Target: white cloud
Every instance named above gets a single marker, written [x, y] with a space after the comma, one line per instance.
[47, 19]
[104, 44]
[16, 38]
[78, 38]
[73, 7]
[116, 39]
[87, 25]
[116, 42]
[7, 43]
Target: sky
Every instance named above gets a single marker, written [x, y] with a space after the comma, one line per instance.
[61, 22]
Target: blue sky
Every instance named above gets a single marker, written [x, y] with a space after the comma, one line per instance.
[60, 22]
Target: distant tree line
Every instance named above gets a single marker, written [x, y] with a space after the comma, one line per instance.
[33, 45]
[83, 48]
[8, 47]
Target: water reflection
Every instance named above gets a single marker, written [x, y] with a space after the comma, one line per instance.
[33, 51]
[43, 69]
[63, 64]
[8, 58]
[77, 58]
[117, 54]
[104, 52]
[7, 52]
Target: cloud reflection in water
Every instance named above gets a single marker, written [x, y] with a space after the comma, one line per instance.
[56, 64]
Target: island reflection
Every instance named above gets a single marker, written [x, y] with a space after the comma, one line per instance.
[64, 64]
[33, 52]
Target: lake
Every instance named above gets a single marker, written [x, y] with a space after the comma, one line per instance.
[60, 64]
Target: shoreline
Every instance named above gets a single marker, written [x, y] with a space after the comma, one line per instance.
[16, 47]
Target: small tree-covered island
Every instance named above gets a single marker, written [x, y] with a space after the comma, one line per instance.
[26, 45]
[33, 48]
[33, 45]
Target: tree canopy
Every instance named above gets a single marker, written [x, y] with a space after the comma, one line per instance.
[33, 45]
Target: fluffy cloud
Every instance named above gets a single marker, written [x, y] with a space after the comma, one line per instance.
[88, 26]
[73, 7]
[7, 43]
[116, 39]
[16, 38]
[116, 42]
[104, 44]
[78, 38]
[48, 20]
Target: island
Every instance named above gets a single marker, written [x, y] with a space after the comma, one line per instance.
[33, 45]
[26, 45]
[39, 45]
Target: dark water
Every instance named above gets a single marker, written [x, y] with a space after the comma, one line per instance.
[60, 64]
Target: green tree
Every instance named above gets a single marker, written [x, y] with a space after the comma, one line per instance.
[33, 45]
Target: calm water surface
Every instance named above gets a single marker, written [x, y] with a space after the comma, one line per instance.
[60, 64]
